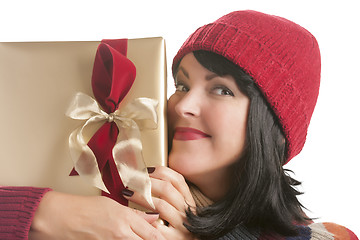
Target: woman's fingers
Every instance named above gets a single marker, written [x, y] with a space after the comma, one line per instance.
[172, 233]
[136, 198]
[166, 191]
[146, 231]
[170, 214]
[131, 224]
[167, 185]
[150, 217]
[166, 210]
[177, 181]
[171, 197]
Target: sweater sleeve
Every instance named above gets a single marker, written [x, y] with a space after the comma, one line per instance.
[17, 209]
[314, 231]
[325, 231]
[339, 232]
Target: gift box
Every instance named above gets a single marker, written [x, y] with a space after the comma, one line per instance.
[38, 82]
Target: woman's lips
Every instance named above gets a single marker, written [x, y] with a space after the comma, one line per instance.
[185, 134]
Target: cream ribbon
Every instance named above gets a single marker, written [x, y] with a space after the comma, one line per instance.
[127, 153]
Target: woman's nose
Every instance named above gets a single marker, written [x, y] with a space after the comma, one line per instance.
[189, 105]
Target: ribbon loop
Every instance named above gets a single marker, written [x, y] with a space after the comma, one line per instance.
[113, 75]
[83, 107]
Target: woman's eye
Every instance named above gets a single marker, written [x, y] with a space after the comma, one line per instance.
[223, 91]
[181, 87]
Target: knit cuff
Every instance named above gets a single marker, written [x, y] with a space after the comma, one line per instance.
[17, 210]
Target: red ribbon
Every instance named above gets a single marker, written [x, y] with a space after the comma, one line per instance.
[112, 78]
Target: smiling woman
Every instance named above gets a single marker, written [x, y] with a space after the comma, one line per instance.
[246, 88]
[208, 108]
[249, 81]
[232, 160]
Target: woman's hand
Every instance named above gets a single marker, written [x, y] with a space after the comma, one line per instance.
[64, 216]
[172, 198]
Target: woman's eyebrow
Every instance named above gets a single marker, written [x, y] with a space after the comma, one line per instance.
[184, 71]
[207, 77]
[211, 76]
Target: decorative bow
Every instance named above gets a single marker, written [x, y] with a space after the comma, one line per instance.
[112, 160]
[138, 115]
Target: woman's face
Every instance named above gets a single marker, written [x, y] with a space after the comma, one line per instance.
[207, 124]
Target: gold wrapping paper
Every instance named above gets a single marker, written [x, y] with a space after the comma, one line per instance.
[37, 83]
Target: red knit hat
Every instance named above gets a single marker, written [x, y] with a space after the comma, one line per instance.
[282, 57]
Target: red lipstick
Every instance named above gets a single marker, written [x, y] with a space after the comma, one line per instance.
[185, 134]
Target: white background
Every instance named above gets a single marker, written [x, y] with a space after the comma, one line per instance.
[329, 164]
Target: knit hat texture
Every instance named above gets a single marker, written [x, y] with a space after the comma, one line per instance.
[282, 57]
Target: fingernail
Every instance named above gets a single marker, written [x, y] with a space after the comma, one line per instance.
[152, 213]
[128, 193]
[151, 169]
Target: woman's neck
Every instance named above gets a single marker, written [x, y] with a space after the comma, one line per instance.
[213, 185]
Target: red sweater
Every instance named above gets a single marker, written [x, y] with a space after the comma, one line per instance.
[17, 209]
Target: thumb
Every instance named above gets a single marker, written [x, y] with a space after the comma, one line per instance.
[150, 217]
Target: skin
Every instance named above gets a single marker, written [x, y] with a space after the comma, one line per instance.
[215, 105]
[71, 217]
[203, 102]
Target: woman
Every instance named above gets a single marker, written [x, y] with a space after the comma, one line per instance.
[246, 87]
